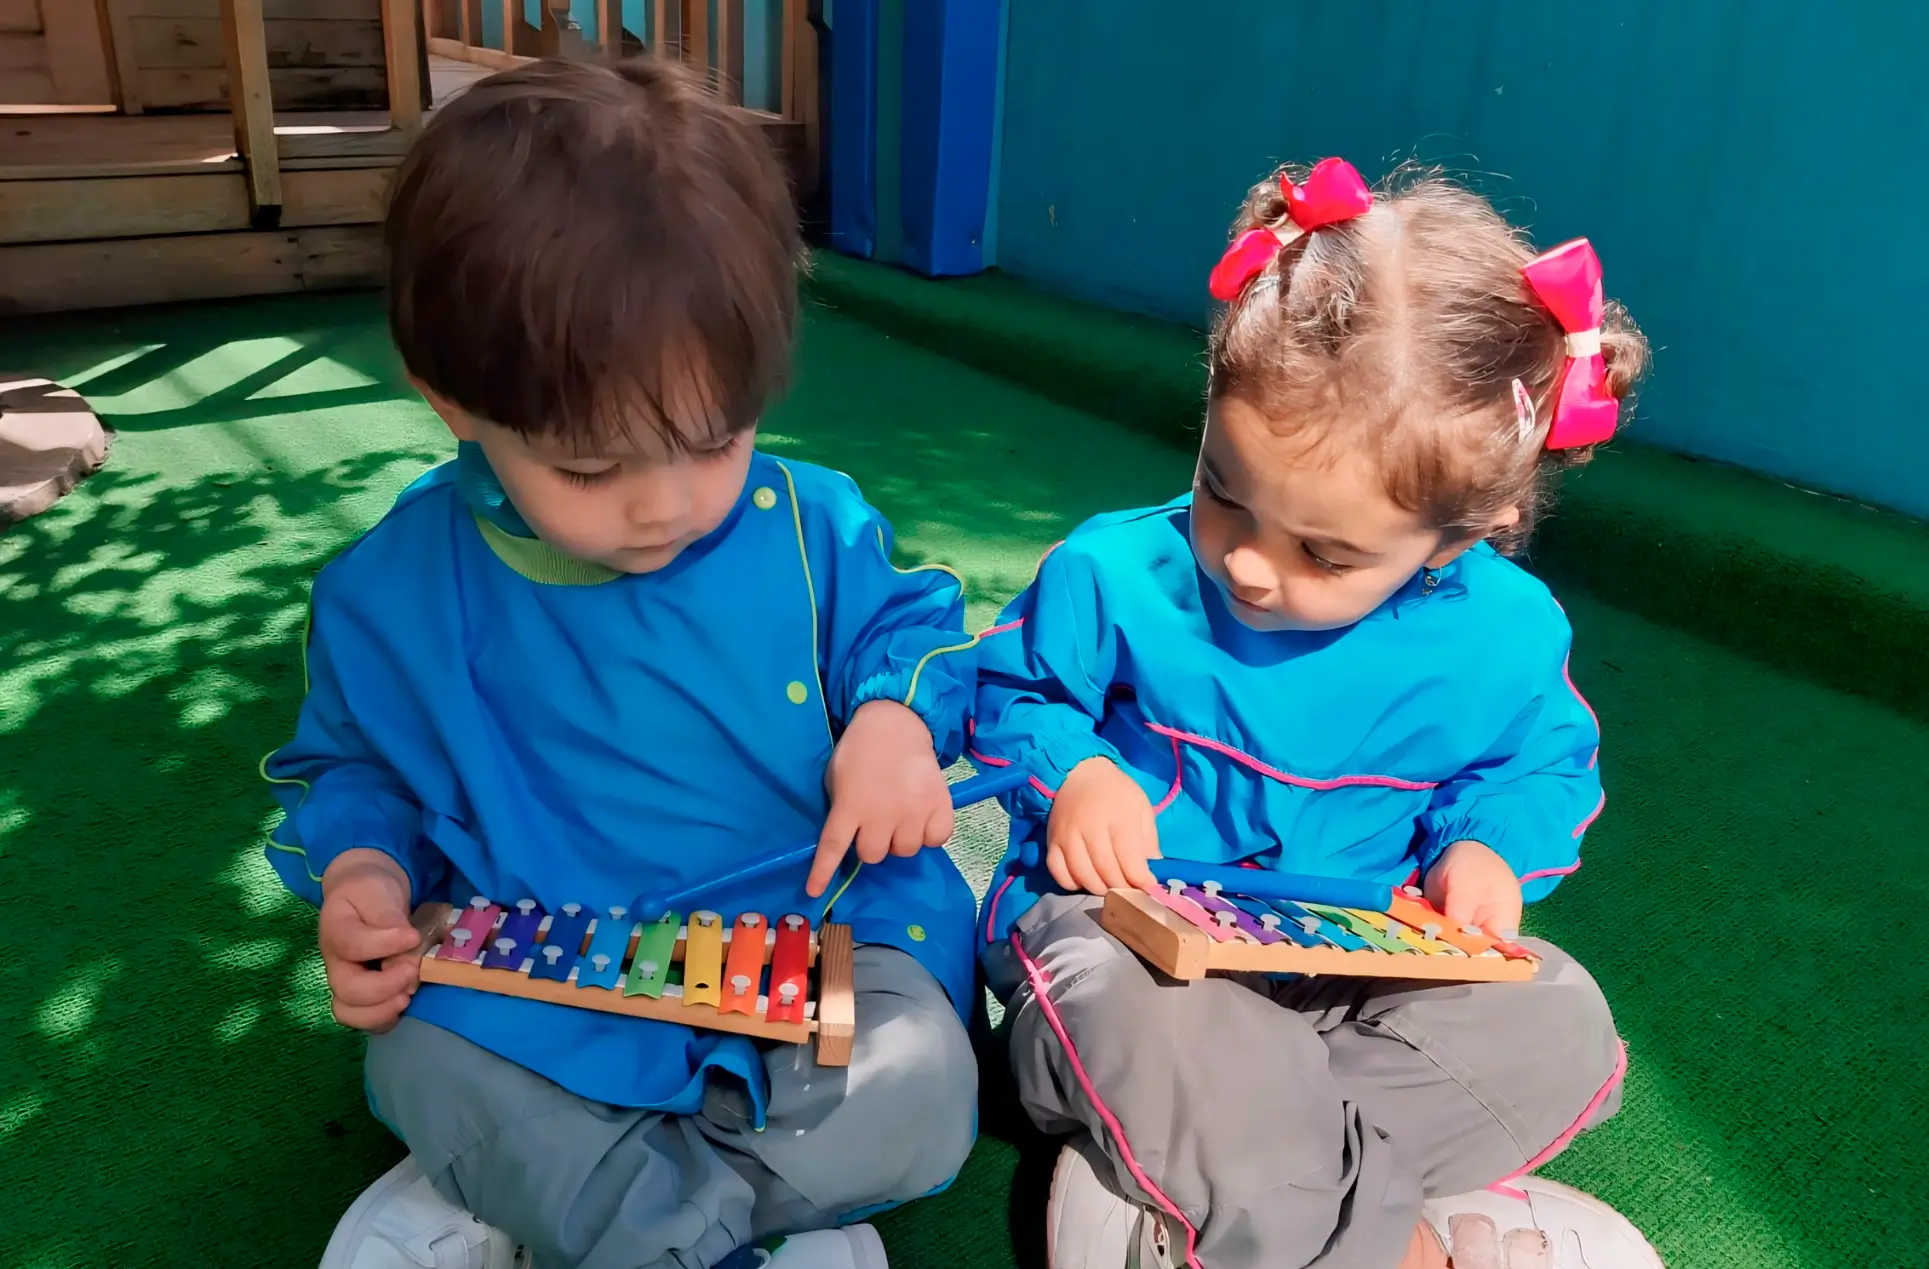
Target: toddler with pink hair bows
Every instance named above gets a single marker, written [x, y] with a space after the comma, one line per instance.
[1321, 661]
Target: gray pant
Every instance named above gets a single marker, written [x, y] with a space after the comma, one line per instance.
[1299, 1122]
[607, 1187]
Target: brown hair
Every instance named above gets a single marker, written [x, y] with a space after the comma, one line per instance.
[1405, 329]
[574, 245]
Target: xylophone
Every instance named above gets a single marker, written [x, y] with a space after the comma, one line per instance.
[747, 975]
[744, 975]
[1205, 918]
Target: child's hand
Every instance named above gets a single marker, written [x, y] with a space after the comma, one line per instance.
[1101, 831]
[368, 946]
[1474, 886]
[887, 792]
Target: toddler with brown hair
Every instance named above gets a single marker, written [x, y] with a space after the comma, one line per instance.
[1322, 662]
[610, 653]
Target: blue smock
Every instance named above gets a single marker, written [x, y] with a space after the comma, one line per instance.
[1362, 752]
[505, 721]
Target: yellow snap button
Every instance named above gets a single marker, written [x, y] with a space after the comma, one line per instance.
[797, 693]
[916, 932]
[765, 498]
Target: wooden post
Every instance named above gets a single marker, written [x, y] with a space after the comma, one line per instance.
[796, 21]
[400, 35]
[561, 37]
[120, 39]
[549, 31]
[660, 27]
[77, 58]
[609, 28]
[511, 22]
[443, 20]
[470, 19]
[253, 106]
[696, 32]
[729, 71]
[800, 91]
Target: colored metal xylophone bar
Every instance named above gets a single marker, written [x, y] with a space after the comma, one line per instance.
[744, 976]
[1188, 929]
[749, 975]
[1258, 883]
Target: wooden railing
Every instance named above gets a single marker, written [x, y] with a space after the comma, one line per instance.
[251, 103]
[707, 33]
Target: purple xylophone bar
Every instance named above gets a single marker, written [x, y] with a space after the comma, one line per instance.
[1262, 883]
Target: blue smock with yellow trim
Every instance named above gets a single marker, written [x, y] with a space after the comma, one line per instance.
[506, 722]
[1362, 752]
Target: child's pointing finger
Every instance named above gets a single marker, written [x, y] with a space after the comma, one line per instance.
[839, 829]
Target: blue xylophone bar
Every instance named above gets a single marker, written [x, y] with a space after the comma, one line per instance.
[989, 784]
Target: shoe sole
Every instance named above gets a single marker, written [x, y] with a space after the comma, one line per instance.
[1630, 1248]
[1085, 1156]
[867, 1247]
[1568, 1194]
[342, 1241]
[1051, 1208]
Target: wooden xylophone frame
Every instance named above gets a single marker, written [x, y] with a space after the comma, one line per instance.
[1180, 949]
[833, 1023]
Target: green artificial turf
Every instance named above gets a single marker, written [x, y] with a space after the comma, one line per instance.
[173, 1091]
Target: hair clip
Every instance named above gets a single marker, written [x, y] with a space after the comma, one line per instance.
[1524, 410]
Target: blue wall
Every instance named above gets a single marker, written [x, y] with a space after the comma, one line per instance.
[1751, 172]
[944, 119]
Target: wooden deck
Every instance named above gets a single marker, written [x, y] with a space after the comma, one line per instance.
[66, 146]
[100, 211]
[40, 145]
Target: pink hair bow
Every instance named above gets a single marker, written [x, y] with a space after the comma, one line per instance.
[1333, 192]
[1568, 281]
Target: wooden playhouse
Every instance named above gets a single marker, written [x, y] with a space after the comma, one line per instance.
[157, 150]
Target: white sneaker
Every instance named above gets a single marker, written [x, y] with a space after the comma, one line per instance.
[1090, 1225]
[400, 1222]
[1553, 1227]
[852, 1247]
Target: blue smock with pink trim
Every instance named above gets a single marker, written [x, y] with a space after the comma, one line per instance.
[1362, 752]
[605, 739]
